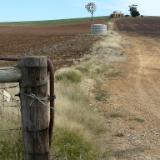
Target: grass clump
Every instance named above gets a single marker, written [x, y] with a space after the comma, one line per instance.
[74, 105]
[119, 135]
[72, 146]
[95, 66]
[11, 148]
[70, 75]
[140, 120]
[116, 115]
[101, 96]
[83, 68]
[137, 119]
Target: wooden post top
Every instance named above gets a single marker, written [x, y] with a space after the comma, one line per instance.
[33, 61]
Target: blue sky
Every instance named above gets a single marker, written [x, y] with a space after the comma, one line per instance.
[24, 10]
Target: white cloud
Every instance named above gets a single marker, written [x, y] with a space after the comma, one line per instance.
[147, 7]
[144, 6]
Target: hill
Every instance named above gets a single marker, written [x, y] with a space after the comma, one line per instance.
[54, 22]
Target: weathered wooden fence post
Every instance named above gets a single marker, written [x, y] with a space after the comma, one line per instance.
[35, 110]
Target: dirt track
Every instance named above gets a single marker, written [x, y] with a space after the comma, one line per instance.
[133, 109]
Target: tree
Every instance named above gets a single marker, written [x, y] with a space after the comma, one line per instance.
[133, 10]
[91, 8]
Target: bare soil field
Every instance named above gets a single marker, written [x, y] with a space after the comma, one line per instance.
[64, 43]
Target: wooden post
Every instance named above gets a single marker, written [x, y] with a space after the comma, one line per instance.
[35, 110]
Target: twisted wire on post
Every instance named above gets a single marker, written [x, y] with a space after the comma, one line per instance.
[42, 100]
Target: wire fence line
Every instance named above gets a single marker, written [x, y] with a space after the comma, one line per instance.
[10, 123]
[36, 118]
[10, 129]
[10, 110]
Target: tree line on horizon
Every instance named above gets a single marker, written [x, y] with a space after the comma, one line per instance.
[91, 8]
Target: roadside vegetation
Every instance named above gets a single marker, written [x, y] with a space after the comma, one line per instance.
[11, 146]
[79, 124]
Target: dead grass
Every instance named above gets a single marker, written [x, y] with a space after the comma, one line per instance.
[78, 119]
[76, 110]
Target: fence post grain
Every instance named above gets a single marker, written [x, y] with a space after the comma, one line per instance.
[35, 110]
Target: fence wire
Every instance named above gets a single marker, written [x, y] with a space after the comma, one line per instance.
[10, 123]
[9, 105]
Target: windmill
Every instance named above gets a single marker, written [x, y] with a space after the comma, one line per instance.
[91, 8]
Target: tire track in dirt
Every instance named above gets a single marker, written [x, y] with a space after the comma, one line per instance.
[133, 109]
[148, 68]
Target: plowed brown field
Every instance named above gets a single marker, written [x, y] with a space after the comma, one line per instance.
[64, 43]
[145, 26]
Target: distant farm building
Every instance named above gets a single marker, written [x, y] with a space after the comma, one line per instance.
[117, 14]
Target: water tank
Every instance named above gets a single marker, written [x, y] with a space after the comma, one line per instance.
[99, 29]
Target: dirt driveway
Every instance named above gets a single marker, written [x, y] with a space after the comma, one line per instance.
[133, 107]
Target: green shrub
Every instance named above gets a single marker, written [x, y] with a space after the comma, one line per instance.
[71, 75]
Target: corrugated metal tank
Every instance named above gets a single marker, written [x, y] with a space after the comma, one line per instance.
[99, 29]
